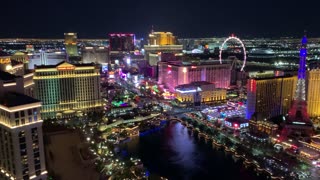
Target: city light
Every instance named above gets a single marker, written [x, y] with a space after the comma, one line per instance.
[301, 123]
[128, 61]
[186, 91]
[106, 102]
[184, 70]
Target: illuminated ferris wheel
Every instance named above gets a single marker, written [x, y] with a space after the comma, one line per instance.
[232, 37]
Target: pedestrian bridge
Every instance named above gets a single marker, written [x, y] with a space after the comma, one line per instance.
[138, 119]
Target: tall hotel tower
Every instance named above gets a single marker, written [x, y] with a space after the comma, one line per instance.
[21, 144]
[67, 90]
[269, 97]
[70, 41]
[314, 95]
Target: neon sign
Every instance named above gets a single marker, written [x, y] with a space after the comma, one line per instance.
[65, 68]
[4, 60]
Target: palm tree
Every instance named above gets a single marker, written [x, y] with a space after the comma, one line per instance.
[201, 127]
[208, 131]
[195, 124]
[184, 119]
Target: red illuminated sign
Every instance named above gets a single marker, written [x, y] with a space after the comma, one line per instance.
[66, 68]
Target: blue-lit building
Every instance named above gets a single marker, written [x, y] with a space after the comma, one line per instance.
[236, 123]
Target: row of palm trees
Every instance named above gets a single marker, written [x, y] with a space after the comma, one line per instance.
[208, 130]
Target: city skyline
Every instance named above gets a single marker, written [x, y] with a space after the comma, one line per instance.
[159, 90]
[184, 18]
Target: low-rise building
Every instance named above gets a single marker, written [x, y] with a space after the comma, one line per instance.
[236, 123]
[311, 150]
[260, 126]
[199, 92]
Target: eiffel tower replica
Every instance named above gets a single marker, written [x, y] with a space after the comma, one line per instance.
[298, 121]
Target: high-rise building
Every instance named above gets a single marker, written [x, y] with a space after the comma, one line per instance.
[70, 41]
[17, 65]
[269, 97]
[5, 61]
[172, 74]
[67, 90]
[313, 93]
[17, 74]
[161, 43]
[162, 38]
[21, 144]
[29, 48]
[121, 42]
[10, 83]
[46, 58]
[95, 55]
[22, 58]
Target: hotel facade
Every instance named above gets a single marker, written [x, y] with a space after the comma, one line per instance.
[68, 90]
[21, 139]
[270, 97]
[313, 99]
[172, 74]
[199, 92]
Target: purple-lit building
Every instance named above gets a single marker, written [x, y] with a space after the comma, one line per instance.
[172, 74]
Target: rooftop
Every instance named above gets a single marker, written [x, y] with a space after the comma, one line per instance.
[14, 62]
[186, 88]
[5, 76]
[237, 120]
[19, 53]
[272, 77]
[309, 151]
[192, 87]
[15, 99]
[315, 140]
[200, 83]
[55, 66]
[198, 62]
[194, 84]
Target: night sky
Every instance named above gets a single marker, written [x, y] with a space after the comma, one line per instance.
[185, 18]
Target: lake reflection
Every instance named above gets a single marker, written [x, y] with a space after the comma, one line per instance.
[174, 153]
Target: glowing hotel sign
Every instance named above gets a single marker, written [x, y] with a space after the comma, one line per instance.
[5, 60]
[66, 68]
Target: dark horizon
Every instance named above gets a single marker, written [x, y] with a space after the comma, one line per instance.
[61, 36]
[186, 19]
